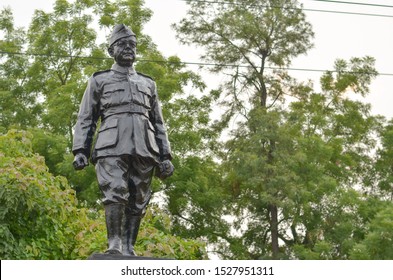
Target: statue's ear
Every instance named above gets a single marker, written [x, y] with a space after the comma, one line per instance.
[110, 51]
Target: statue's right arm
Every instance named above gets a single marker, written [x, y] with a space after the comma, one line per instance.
[86, 124]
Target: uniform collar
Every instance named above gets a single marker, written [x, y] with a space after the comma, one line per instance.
[122, 69]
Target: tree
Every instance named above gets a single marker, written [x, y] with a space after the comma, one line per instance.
[381, 181]
[38, 210]
[13, 78]
[377, 244]
[252, 35]
[318, 175]
[53, 77]
[61, 39]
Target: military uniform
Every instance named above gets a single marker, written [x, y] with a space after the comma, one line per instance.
[132, 130]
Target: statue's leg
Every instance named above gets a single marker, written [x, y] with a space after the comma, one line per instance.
[112, 174]
[131, 228]
[114, 216]
[140, 177]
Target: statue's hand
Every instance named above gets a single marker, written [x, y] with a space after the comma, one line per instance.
[80, 161]
[166, 169]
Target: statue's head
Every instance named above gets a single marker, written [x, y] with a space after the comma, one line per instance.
[122, 45]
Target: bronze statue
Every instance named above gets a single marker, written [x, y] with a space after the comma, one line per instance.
[131, 143]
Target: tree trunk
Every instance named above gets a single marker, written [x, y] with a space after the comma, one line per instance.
[274, 229]
[273, 209]
[263, 90]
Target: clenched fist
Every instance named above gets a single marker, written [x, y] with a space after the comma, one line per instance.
[165, 169]
[80, 161]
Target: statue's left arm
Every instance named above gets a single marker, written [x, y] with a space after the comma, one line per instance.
[165, 167]
[159, 125]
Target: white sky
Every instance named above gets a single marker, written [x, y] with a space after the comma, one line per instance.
[336, 36]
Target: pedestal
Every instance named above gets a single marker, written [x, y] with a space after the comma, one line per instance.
[106, 257]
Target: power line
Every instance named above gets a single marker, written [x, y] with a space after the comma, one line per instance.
[347, 13]
[287, 8]
[355, 3]
[182, 62]
[233, 65]
[329, 1]
[55, 55]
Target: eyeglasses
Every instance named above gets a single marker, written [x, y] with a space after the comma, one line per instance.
[124, 44]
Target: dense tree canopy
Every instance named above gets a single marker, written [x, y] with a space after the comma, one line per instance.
[299, 173]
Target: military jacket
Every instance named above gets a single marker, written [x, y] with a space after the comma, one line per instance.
[131, 119]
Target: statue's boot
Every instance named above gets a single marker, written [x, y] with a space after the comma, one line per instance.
[130, 233]
[114, 216]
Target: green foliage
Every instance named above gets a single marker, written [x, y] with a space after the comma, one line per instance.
[377, 244]
[37, 209]
[155, 239]
[41, 219]
[130, 12]
[84, 182]
[302, 174]
[384, 163]
[235, 33]
[63, 37]
[13, 78]
[254, 34]
[51, 146]
[310, 161]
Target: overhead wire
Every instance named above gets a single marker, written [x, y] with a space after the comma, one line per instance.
[289, 8]
[182, 62]
[355, 3]
[328, 1]
[233, 65]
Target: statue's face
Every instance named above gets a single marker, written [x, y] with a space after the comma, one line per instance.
[124, 51]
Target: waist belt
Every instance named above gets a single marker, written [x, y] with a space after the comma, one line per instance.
[131, 108]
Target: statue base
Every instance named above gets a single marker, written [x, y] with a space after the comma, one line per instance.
[107, 257]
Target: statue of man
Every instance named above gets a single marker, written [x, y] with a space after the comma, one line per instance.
[132, 143]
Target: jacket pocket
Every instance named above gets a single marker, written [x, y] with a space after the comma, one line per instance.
[151, 139]
[115, 94]
[108, 134]
[145, 95]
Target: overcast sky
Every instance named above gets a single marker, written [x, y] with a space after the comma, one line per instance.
[336, 36]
